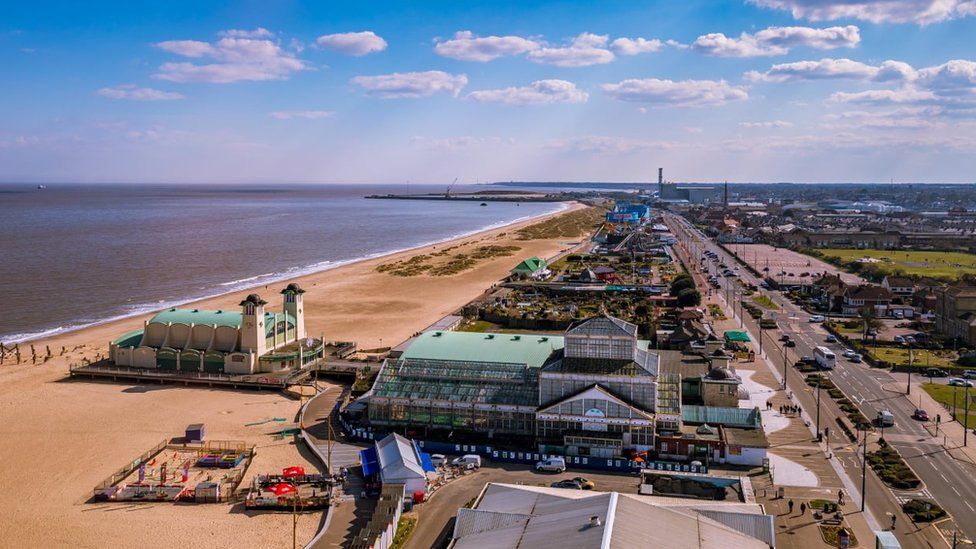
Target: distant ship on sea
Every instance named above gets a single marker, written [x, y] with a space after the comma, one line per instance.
[41, 187]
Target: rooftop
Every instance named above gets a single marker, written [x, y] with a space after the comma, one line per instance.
[530, 350]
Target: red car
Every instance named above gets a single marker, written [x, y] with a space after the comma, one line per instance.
[921, 415]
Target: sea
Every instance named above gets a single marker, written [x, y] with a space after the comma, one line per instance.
[75, 255]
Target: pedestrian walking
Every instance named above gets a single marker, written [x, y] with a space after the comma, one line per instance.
[803, 510]
[893, 520]
[840, 497]
[790, 505]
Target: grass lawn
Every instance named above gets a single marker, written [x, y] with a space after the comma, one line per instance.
[923, 358]
[763, 300]
[478, 326]
[921, 263]
[404, 529]
[943, 394]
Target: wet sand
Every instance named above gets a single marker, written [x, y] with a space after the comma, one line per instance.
[59, 438]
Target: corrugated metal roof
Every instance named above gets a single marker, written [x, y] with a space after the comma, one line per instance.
[760, 527]
[531, 350]
[398, 459]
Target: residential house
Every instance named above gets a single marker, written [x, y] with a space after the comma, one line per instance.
[899, 285]
[955, 312]
[856, 298]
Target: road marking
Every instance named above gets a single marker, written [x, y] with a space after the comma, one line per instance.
[970, 506]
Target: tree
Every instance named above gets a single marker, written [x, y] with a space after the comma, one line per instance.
[869, 319]
[681, 282]
[689, 297]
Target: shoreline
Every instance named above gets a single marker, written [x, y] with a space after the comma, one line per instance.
[292, 274]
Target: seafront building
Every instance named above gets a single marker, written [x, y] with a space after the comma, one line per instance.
[596, 391]
[222, 342]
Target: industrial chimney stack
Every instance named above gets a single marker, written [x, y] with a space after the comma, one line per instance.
[660, 182]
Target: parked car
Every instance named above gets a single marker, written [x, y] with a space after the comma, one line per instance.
[960, 382]
[856, 357]
[468, 461]
[848, 353]
[438, 459]
[898, 339]
[886, 419]
[831, 338]
[817, 318]
[921, 415]
[568, 483]
[935, 372]
[969, 374]
[552, 465]
[807, 360]
[585, 483]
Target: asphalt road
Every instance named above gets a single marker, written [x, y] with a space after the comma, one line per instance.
[951, 483]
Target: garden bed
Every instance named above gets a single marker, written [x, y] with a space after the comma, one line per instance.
[892, 469]
[920, 510]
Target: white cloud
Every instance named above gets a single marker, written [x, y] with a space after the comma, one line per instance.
[412, 84]
[684, 93]
[777, 41]
[308, 115]
[905, 118]
[767, 124]
[922, 12]
[461, 142]
[352, 43]
[881, 97]
[828, 69]
[465, 46]
[540, 92]
[634, 46]
[234, 59]
[259, 32]
[584, 50]
[130, 91]
[609, 145]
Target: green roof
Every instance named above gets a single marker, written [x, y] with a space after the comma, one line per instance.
[730, 417]
[530, 265]
[737, 336]
[199, 316]
[531, 350]
[130, 339]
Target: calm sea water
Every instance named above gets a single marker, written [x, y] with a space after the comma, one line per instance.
[76, 255]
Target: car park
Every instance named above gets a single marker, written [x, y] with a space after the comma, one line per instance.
[921, 415]
[568, 483]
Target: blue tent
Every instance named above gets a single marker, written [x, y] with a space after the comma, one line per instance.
[371, 461]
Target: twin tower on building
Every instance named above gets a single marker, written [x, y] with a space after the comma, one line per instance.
[251, 341]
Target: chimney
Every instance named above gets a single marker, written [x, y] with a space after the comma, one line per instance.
[594, 521]
[660, 182]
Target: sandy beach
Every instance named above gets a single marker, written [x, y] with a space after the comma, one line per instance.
[60, 437]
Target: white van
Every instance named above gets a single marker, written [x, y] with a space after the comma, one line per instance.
[468, 461]
[552, 464]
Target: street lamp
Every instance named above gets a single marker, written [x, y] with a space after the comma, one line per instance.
[785, 362]
[864, 470]
[965, 421]
[819, 378]
[908, 390]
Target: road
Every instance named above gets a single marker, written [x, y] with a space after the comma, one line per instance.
[950, 482]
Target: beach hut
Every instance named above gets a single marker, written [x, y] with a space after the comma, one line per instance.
[194, 433]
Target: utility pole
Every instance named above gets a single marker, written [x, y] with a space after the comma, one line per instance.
[785, 362]
[965, 420]
[864, 471]
[819, 378]
[908, 391]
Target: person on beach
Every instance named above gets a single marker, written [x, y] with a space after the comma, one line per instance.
[790, 505]
[803, 510]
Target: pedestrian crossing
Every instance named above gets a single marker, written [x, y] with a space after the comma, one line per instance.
[905, 496]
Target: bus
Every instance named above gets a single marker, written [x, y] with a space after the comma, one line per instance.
[826, 358]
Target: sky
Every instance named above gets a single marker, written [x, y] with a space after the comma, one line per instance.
[426, 92]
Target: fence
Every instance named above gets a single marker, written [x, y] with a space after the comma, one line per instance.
[127, 470]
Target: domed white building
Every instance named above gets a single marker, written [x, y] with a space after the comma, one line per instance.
[215, 341]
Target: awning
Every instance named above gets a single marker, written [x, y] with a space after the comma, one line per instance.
[370, 460]
[426, 463]
[737, 336]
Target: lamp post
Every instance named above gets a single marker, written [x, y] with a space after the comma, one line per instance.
[785, 361]
[965, 421]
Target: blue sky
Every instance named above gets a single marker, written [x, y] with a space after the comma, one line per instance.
[387, 92]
